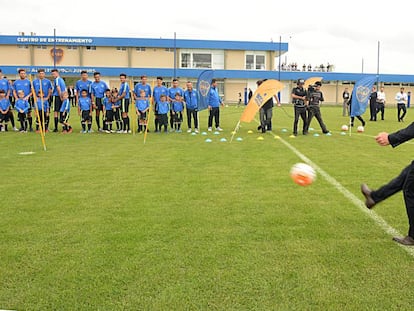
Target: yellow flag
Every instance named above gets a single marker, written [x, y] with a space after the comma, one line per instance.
[311, 81]
[264, 92]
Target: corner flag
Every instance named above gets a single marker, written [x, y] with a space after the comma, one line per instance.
[203, 87]
[360, 95]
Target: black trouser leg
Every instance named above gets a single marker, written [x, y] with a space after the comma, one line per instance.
[295, 121]
[189, 115]
[404, 182]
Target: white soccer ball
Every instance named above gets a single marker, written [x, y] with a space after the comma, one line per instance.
[344, 127]
[360, 129]
[302, 174]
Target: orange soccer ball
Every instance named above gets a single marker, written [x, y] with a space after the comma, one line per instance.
[302, 174]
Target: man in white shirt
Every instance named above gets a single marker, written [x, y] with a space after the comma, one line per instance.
[401, 98]
[381, 102]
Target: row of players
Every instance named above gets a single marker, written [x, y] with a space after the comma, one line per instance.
[53, 97]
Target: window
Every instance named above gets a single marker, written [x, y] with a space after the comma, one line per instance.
[140, 49]
[169, 50]
[185, 60]
[201, 60]
[121, 48]
[255, 61]
[23, 46]
[71, 47]
[90, 48]
[43, 47]
[249, 62]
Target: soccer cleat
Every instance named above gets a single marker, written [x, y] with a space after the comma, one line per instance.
[196, 130]
[189, 131]
[209, 129]
[15, 129]
[218, 128]
[369, 202]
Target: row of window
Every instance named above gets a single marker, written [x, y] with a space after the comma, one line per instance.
[193, 59]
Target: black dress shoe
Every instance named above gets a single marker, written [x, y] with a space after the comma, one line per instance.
[369, 202]
[408, 241]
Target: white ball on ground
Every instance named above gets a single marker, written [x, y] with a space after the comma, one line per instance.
[344, 127]
[302, 174]
[360, 129]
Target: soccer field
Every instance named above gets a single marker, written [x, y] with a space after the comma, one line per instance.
[104, 222]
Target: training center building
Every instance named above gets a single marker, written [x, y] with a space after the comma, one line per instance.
[237, 64]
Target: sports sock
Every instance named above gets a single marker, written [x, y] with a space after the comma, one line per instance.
[56, 122]
[30, 121]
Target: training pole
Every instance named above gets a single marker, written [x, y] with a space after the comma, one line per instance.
[42, 120]
[151, 104]
[134, 125]
[235, 130]
[42, 134]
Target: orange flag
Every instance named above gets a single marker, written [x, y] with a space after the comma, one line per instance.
[264, 92]
[311, 81]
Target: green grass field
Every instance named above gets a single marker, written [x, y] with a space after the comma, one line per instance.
[104, 222]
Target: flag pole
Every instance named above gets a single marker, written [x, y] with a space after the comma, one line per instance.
[151, 102]
[42, 134]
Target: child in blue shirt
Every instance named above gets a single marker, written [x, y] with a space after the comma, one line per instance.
[177, 112]
[22, 107]
[85, 111]
[116, 110]
[65, 113]
[4, 110]
[163, 109]
[142, 107]
[108, 115]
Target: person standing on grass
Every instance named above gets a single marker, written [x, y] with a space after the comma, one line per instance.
[381, 99]
[403, 182]
[177, 108]
[373, 104]
[299, 97]
[172, 91]
[143, 85]
[141, 107]
[65, 114]
[6, 85]
[159, 90]
[345, 104]
[163, 109]
[4, 110]
[401, 98]
[84, 84]
[266, 112]
[41, 84]
[123, 98]
[43, 112]
[214, 102]
[22, 108]
[98, 89]
[23, 84]
[85, 111]
[315, 100]
[108, 114]
[59, 87]
[191, 104]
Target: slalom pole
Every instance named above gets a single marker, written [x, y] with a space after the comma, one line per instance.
[42, 134]
[235, 130]
[151, 104]
[134, 125]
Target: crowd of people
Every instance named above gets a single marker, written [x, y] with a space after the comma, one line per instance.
[294, 67]
[49, 99]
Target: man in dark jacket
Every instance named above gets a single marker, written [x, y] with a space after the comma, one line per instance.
[404, 182]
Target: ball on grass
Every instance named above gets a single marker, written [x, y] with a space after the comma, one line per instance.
[344, 127]
[302, 174]
[360, 129]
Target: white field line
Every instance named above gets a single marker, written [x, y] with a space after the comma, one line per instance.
[349, 195]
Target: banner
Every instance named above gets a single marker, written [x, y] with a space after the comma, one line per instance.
[264, 92]
[311, 81]
[203, 88]
[360, 95]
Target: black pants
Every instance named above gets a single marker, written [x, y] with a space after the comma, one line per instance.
[359, 118]
[373, 111]
[403, 108]
[315, 111]
[300, 112]
[192, 113]
[214, 113]
[404, 182]
[381, 108]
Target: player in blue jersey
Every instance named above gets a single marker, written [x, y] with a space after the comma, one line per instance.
[163, 109]
[191, 104]
[124, 98]
[23, 84]
[65, 114]
[159, 90]
[4, 110]
[142, 86]
[59, 87]
[172, 91]
[41, 84]
[177, 108]
[108, 113]
[98, 89]
[85, 111]
[22, 107]
[214, 102]
[6, 85]
[142, 106]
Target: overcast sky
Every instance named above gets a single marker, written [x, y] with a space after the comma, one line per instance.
[343, 33]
